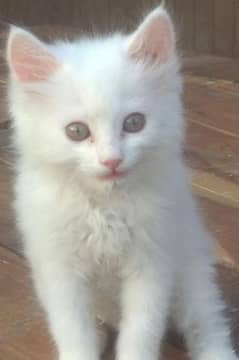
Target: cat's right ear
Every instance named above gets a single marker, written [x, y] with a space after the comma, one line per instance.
[154, 40]
[28, 58]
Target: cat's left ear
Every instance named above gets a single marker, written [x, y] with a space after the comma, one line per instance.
[154, 41]
[28, 58]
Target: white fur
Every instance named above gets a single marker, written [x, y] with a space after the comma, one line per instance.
[132, 251]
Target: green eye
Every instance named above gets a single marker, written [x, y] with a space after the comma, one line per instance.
[77, 131]
[134, 123]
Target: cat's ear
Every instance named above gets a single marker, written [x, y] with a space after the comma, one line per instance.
[29, 59]
[154, 40]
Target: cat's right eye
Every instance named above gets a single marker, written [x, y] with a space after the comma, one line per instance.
[134, 123]
[77, 131]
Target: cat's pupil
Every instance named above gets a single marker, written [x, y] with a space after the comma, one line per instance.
[135, 121]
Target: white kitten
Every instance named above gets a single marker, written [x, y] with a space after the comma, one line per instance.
[102, 195]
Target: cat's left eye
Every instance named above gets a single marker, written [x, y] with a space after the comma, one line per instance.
[77, 131]
[134, 122]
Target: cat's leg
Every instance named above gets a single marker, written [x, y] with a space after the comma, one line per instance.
[145, 298]
[66, 300]
[200, 315]
[104, 334]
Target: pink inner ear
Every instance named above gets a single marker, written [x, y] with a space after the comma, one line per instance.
[154, 41]
[30, 60]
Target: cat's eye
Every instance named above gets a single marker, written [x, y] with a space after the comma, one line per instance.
[134, 123]
[77, 131]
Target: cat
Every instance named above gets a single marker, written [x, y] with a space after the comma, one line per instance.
[102, 195]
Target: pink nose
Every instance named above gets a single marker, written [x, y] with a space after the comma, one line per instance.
[112, 164]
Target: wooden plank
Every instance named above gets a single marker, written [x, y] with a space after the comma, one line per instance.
[171, 7]
[17, 12]
[224, 20]
[214, 187]
[222, 221]
[213, 151]
[8, 237]
[23, 332]
[212, 67]
[8, 234]
[125, 14]
[236, 49]
[204, 26]
[51, 12]
[79, 13]
[212, 108]
[194, 19]
[185, 19]
[91, 15]
[214, 103]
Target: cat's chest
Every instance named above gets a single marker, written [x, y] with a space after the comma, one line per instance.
[103, 233]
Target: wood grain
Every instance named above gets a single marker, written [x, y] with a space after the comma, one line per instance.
[212, 68]
[224, 22]
[208, 26]
[236, 40]
[185, 20]
[23, 331]
[204, 30]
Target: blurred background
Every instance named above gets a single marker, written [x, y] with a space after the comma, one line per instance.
[205, 26]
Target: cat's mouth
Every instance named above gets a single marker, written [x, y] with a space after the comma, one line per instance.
[114, 175]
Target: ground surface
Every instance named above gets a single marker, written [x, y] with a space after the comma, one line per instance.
[211, 150]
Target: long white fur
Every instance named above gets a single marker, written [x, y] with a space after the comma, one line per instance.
[131, 251]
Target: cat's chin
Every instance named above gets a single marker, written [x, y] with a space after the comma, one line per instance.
[104, 183]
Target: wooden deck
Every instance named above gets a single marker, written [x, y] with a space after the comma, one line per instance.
[212, 151]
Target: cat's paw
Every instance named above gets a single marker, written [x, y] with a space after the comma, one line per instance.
[219, 355]
[103, 335]
[74, 355]
[70, 356]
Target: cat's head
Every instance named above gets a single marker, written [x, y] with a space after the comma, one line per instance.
[102, 106]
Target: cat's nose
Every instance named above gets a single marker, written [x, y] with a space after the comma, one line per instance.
[112, 164]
